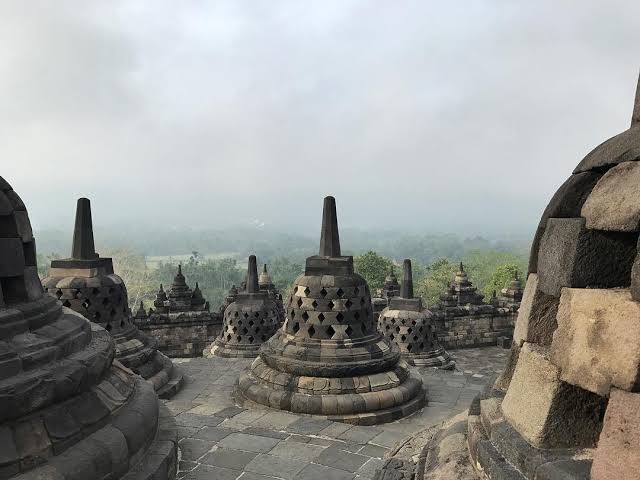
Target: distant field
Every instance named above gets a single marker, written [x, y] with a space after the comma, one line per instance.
[154, 260]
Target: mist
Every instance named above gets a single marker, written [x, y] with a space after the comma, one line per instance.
[415, 115]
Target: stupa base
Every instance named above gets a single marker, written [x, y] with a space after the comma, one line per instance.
[218, 349]
[363, 400]
[437, 359]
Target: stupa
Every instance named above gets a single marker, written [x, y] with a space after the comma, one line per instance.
[391, 287]
[248, 322]
[410, 326]
[464, 320]
[87, 284]
[180, 320]
[328, 358]
[511, 296]
[568, 403]
[67, 409]
[266, 284]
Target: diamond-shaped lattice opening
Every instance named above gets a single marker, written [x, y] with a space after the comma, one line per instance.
[340, 292]
[121, 323]
[245, 315]
[421, 329]
[262, 321]
[245, 331]
[403, 338]
[97, 316]
[311, 331]
[239, 323]
[305, 316]
[239, 338]
[113, 313]
[293, 314]
[307, 291]
[86, 304]
[330, 331]
[398, 329]
[348, 330]
[362, 302]
[95, 292]
[422, 346]
[348, 303]
[356, 291]
[58, 293]
[108, 327]
[413, 323]
[296, 327]
[111, 291]
[105, 301]
[251, 339]
[257, 329]
[409, 330]
[409, 347]
[387, 327]
[321, 317]
[251, 323]
[404, 321]
[314, 304]
[234, 329]
[235, 314]
[392, 336]
[256, 314]
[415, 338]
[356, 315]
[228, 338]
[340, 317]
[66, 303]
[331, 305]
[299, 302]
[323, 292]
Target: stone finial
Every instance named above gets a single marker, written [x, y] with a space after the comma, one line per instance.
[406, 290]
[329, 237]
[461, 267]
[252, 275]
[83, 247]
[635, 118]
[264, 268]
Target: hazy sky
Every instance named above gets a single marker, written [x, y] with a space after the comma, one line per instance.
[428, 115]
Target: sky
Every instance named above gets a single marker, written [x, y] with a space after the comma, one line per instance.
[417, 115]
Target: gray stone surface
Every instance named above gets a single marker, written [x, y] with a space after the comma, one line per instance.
[299, 446]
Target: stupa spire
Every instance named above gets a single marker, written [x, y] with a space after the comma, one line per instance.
[406, 290]
[329, 237]
[252, 275]
[264, 268]
[83, 247]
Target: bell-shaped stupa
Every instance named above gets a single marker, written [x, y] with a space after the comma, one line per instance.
[251, 319]
[329, 359]
[87, 284]
[67, 410]
[410, 326]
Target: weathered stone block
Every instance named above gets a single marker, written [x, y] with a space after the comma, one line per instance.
[547, 412]
[11, 257]
[597, 343]
[618, 453]
[613, 203]
[571, 256]
[536, 316]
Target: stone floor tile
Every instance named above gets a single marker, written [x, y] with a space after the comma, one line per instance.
[300, 451]
[321, 472]
[275, 466]
[193, 449]
[250, 443]
[308, 425]
[360, 434]
[368, 470]
[256, 476]
[373, 451]
[265, 432]
[215, 434]
[228, 458]
[230, 412]
[276, 420]
[340, 459]
[192, 420]
[206, 472]
[335, 429]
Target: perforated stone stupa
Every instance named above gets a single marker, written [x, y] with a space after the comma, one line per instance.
[249, 321]
[66, 411]
[410, 326]
[328, 359]
[87, 284]
[181, 320]
[568, 404]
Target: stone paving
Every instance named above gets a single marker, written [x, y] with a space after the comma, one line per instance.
[223, 441]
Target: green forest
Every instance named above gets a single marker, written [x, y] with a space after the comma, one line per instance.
[435, 259]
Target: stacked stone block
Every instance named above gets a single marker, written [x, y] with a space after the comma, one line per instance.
[87, 284]
[181, 321]
[67, 409]
[328, 358]
[567, 404]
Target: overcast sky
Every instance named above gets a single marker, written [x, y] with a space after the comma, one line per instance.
[426, 115]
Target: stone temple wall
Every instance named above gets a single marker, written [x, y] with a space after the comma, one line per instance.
[475, 330]
[182, 334]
